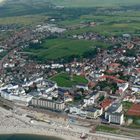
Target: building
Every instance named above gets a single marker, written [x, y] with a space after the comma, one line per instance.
[94, 112]
[17, 98]
[75, 110]
[134, 110]
[90, 99]
[114, 115]
[117, 118]
[106, 103]
[123, 86]
[82, 86]
[56, 105]
[88, 112]
[130, 98]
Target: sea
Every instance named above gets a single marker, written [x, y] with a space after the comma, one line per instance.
[27, 137]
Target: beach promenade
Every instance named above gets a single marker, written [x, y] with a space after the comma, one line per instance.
[11, 123]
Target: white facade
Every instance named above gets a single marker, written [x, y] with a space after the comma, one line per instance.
[114, 115]
[50, 104]
[93, 114]
[75, 110]
[135, 88]
[91, 100]
[13, 97]
[82, 87]
[123, 86]
[116, 118]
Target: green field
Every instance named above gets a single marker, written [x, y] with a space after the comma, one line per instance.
[109, 24]
[60, 48]
[105, 128]
[23, 20]
[25, 7]
[64, 80]
[111, 20]
[108, 30]
[94, 3]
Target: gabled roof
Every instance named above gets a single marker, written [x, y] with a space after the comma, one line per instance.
[134, 110]
[105, 103]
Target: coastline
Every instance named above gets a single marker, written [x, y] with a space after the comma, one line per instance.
[34, 131]
[11, 123]
[56, 134]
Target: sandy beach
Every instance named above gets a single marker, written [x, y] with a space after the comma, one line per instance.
[11, 123]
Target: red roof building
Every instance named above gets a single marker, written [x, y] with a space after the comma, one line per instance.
[134, 110]
[115, 79]
[106, 103]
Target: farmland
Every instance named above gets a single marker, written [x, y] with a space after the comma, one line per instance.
[23, 20]
[107, 24]
[94, 3]
[122, 18]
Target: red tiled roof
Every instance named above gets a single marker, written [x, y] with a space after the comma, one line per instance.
[105, 103]
[114, 65]
[91, 84]
[134, 110]
[112, 78]
[138, 70]
[109, 71]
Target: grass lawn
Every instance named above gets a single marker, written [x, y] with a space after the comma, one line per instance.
[64, 80]
[105, 128]
[136, 122]
[59, 48]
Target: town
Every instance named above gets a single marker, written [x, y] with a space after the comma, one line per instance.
[102, 87]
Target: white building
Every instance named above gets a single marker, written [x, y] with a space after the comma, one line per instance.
[136, 88]
[117, 118]
[46, 103]
[90, 100]
[82, 86]
[114, 115]
[92, 113]
[75, 110]
[123, 87]
[16, 98]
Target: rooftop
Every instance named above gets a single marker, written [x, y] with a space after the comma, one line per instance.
[106, 103]
[113, 107]
[134, 110]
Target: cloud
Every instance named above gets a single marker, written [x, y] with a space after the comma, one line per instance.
[1, 1]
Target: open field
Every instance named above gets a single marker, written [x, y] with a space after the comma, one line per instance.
[31, 7]
[60, 48]
[105, 128]
[23, 20]
[109, 29]
[94, 3]
[64, 80]
[109, 24]
[25, 7]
